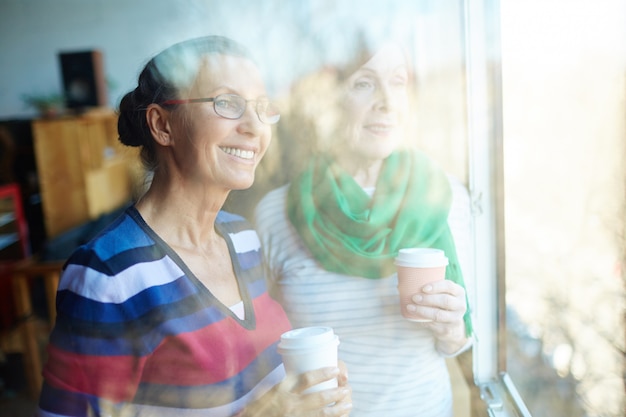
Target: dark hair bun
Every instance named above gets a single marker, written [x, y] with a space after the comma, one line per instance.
[131, 124]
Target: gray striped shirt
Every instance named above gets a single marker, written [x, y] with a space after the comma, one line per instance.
[393, 366]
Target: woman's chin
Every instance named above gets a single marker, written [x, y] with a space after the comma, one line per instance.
[242, 184]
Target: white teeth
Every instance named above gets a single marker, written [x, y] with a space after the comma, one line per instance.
[240, 153]
[378, 128]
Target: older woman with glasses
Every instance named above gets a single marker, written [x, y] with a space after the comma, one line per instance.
[331, 235]
[165, 313]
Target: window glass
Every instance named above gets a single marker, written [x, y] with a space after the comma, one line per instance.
[561, 119]
[564, 119]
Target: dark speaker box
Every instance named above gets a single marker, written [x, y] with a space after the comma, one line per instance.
[84, 83]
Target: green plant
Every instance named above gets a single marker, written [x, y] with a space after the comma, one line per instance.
[44, 103]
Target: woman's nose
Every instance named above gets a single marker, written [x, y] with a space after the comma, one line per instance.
[385, 99]
[250, 120]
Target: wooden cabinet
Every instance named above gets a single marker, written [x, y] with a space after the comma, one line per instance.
[83, 170]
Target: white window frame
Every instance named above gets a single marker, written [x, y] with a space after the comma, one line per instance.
[486, 183]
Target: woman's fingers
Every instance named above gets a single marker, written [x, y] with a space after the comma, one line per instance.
[328, 402]
[441, 302]
[309, 379]
[290, 397]
[342, 378]
[328, 398]
[444, 287]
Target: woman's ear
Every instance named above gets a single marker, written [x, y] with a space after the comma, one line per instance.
[158, 120]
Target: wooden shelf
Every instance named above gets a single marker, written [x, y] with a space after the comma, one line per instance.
[83, 170]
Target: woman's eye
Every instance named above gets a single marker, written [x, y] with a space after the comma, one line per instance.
[223, 103]
[399, 81]
[226, 104]
[363, 85]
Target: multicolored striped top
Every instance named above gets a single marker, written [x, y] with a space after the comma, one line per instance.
[138, 334]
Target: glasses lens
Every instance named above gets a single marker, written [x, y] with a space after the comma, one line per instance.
[268, 112]
[229, 106]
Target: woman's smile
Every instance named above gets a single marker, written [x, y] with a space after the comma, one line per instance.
[379, 129]
[239, 153]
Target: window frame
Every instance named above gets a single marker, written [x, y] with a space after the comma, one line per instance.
[486, 186]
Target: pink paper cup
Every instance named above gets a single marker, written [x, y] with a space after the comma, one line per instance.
[416, 268]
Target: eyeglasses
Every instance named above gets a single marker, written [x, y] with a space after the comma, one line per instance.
[232, 106]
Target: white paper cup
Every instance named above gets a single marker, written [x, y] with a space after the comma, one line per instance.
[417, 267]
[309, 348]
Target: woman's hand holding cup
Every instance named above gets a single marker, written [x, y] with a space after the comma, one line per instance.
[294, 397]
[443, 303]
[428, 298]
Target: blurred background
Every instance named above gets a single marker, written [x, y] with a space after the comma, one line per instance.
[563, 67]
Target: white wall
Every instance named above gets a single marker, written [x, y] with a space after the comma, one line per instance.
[33, 32]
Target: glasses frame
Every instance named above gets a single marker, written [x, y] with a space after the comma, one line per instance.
[262, 115]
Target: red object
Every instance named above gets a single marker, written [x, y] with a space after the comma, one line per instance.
[7, 304]
[12, 191]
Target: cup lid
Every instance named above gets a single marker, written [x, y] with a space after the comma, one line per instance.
[421, 257]
[307, 338]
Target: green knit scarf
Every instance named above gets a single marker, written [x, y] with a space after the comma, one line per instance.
[351, 233]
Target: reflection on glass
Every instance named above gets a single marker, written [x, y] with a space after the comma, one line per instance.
[328, 242]
[297, 39]
[563, 71]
